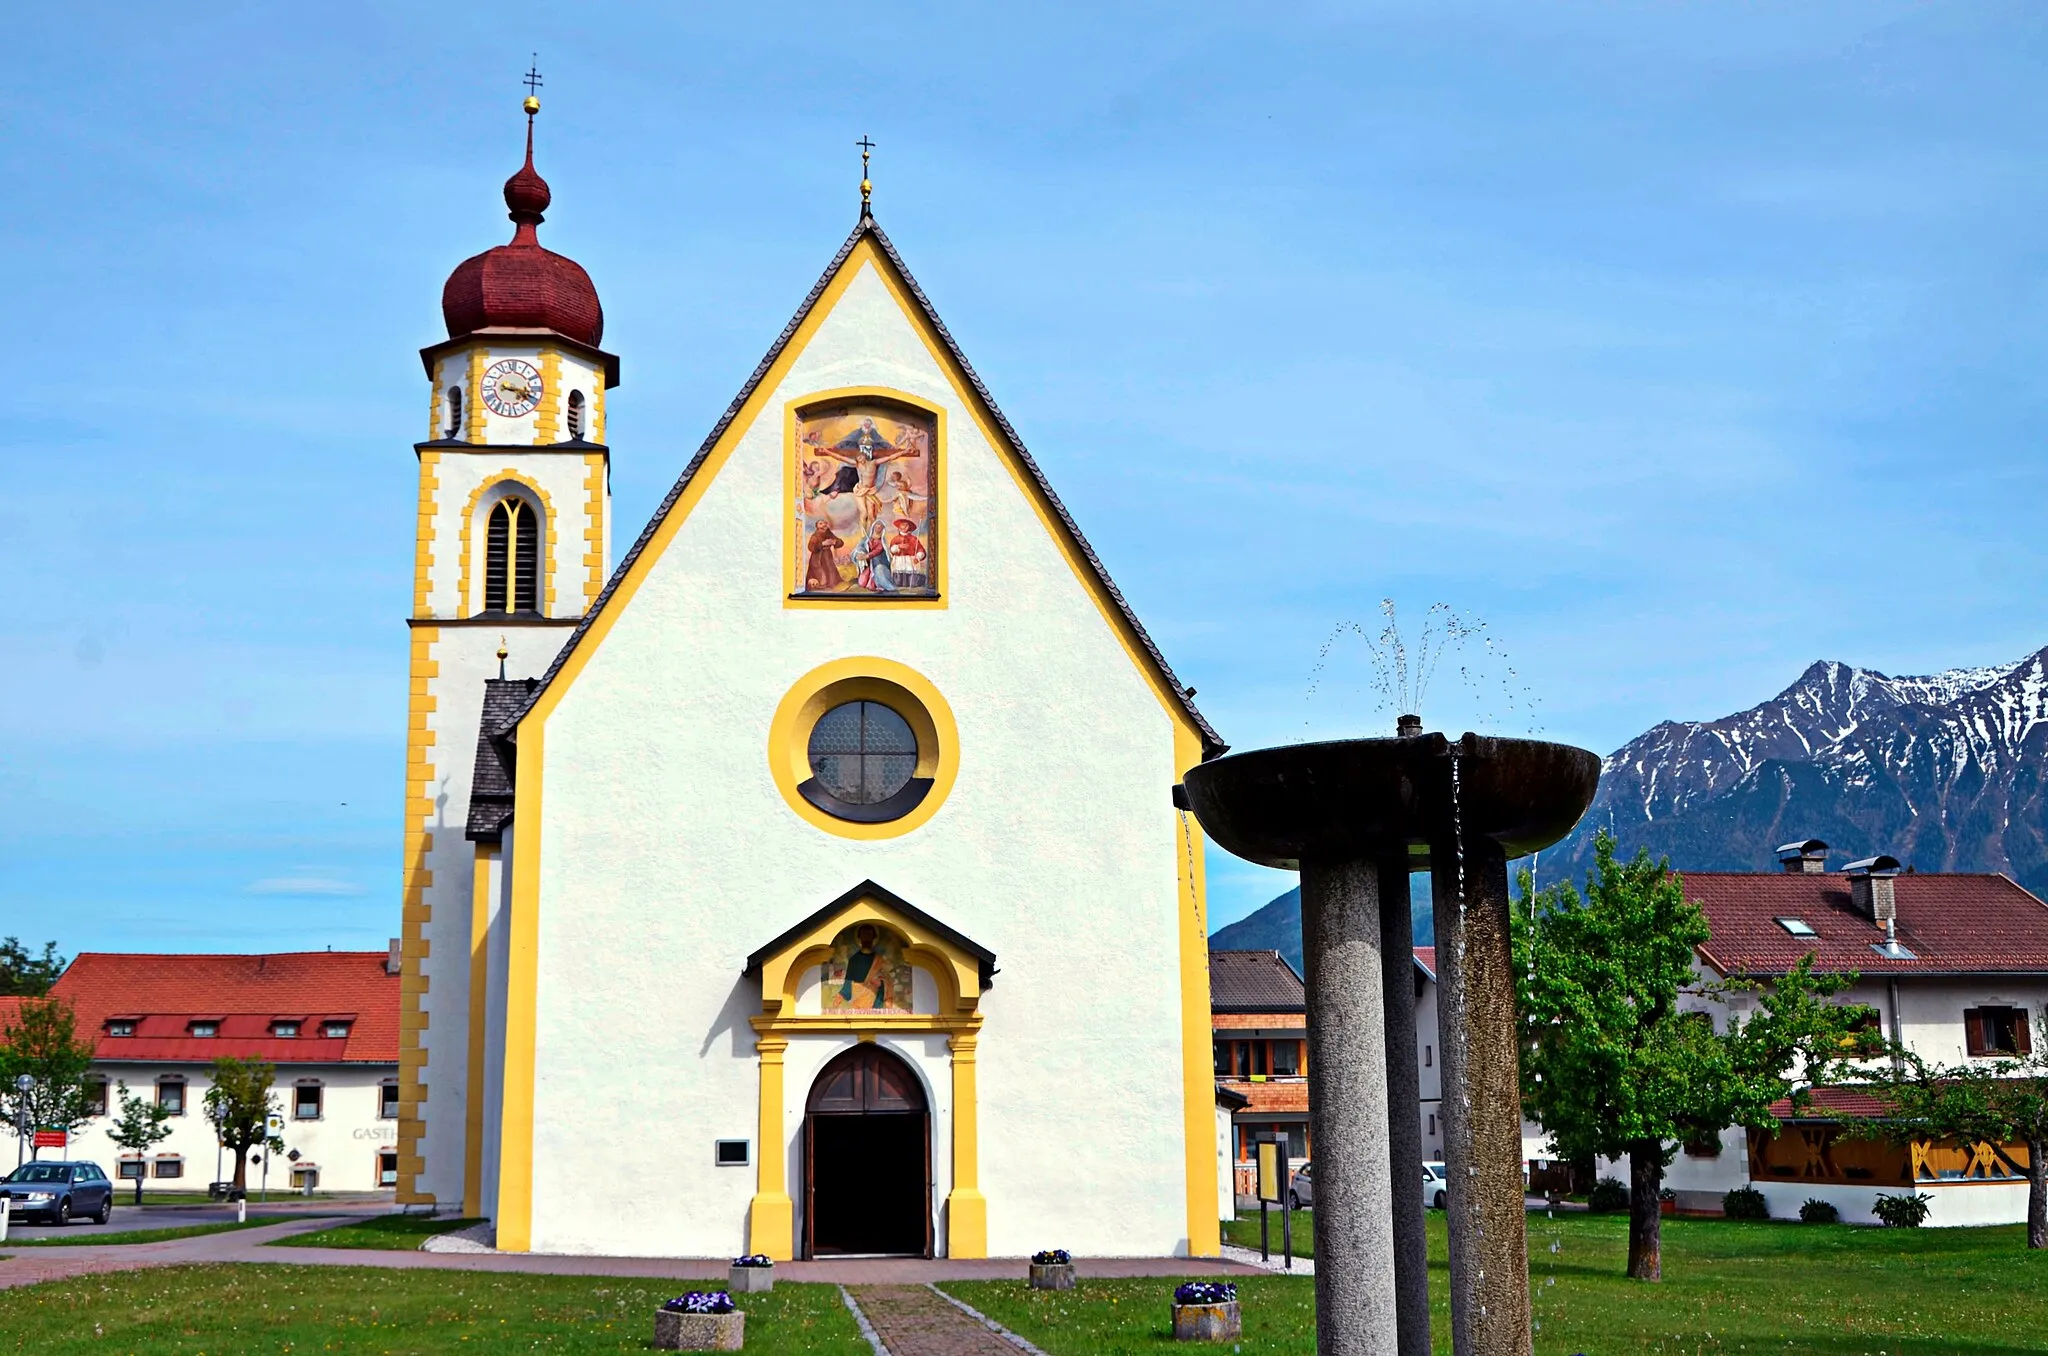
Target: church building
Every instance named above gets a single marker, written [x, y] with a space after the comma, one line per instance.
[810, 881]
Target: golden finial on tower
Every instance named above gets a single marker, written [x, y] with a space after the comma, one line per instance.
[533, 82]
[867, 187]
[502, 654]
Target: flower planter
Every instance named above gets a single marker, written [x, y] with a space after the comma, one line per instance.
[1208, 1322]
[675, 1331]
[1052, 1276]
[750, 1280]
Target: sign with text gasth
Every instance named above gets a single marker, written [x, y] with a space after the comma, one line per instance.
[1272, 1183]
[50, 1139]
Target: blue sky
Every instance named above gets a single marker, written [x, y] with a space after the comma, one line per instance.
[1684, 345]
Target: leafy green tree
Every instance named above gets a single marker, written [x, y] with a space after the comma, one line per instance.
[240, 1106]
[43, 1043]
[23, 974]
[141, 1125]
[1616, 1066]
[2002, 1101]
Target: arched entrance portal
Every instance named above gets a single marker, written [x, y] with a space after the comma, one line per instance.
[867, 1159]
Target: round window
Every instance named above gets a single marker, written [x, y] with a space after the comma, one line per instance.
[862, 753]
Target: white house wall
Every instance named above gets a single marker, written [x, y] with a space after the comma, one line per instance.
[667, 855]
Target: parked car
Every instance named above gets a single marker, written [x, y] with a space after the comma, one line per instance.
[58, 1191]
[1302, 1193]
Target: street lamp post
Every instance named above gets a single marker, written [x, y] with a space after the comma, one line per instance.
[22, 1084]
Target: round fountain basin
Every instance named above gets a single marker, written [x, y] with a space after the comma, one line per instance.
[1348, 798]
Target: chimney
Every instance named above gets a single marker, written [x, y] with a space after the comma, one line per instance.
[1808, 857]
[1870, 888]
[391, 960]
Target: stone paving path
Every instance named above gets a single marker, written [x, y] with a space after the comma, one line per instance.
[912, 1320]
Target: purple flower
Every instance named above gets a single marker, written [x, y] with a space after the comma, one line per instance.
[696, 1302]
[1052, 1257]
[1205, 1292]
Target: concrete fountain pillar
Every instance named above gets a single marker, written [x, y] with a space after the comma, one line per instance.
[1347, 1072]
[1404, 1100]
[1482, 1101]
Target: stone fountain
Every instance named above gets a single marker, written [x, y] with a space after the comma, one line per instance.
[1355, 817]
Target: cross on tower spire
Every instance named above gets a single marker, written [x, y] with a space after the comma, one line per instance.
[532, 81]
[867, 188]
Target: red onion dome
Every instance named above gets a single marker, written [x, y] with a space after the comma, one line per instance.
[521, 285]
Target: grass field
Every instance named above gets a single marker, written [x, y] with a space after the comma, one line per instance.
[1730, 1286]
[395, 1233]
[77, 1236]
[222, 1310]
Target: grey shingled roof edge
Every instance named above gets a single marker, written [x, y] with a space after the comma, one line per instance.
[1212, 744]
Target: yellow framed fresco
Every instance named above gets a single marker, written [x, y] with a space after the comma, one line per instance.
[863, 486]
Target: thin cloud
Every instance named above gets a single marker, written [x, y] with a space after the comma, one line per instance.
[304, 886]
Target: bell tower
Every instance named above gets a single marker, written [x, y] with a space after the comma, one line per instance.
[512, 546]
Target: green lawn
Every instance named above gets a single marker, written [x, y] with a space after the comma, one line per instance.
[1244, 1231]
[77, 1236]
[221, 1310]
[396, 1233]
[1730, 1286]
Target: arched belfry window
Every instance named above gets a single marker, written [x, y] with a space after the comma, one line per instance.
[512, 557]
[454, 412]
[575, 416]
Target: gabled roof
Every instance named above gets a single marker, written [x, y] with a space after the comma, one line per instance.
[1953, 924]
[164, 993]
[867, 229]
[490, 787]
[868, 890]
[1254, 981]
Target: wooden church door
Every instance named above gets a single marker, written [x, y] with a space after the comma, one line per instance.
[867, 1159]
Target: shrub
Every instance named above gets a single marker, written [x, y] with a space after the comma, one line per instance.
[1745, 1203]
[1902, 1212]
[1818, 1212]
[1205, 1292]
[1608, 1194]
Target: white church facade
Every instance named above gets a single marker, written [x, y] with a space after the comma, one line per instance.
[810, 883]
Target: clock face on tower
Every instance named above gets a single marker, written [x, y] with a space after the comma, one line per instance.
[512, 388]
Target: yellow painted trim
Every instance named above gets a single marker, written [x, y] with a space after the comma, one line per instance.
[958, 974]
[595, 409]
[522, 976]
[464, 603]
[864, 678]
[415, 912]
[547, 420]
[479, 978]
[966, 1207]
[516, 1171]
[434, 405]
[595, 474]
[423, 533]
[473, 408]
[1197, 1036]
[771, 1215]
[791, 573]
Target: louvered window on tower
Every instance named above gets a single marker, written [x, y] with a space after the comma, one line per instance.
[454, 412]
[575, 416]
[512, 558]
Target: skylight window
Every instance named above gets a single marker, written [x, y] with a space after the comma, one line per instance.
[1798, 927]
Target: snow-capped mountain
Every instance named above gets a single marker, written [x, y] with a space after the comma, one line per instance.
[1944, 772]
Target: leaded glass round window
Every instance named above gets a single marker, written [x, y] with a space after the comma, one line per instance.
[862, 752]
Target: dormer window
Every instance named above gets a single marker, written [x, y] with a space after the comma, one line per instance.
[454, 413]
[576, 416]
[285, 1031]
[204, 1030]
[334, 1031]
[120, 1027]
[1798, 927]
